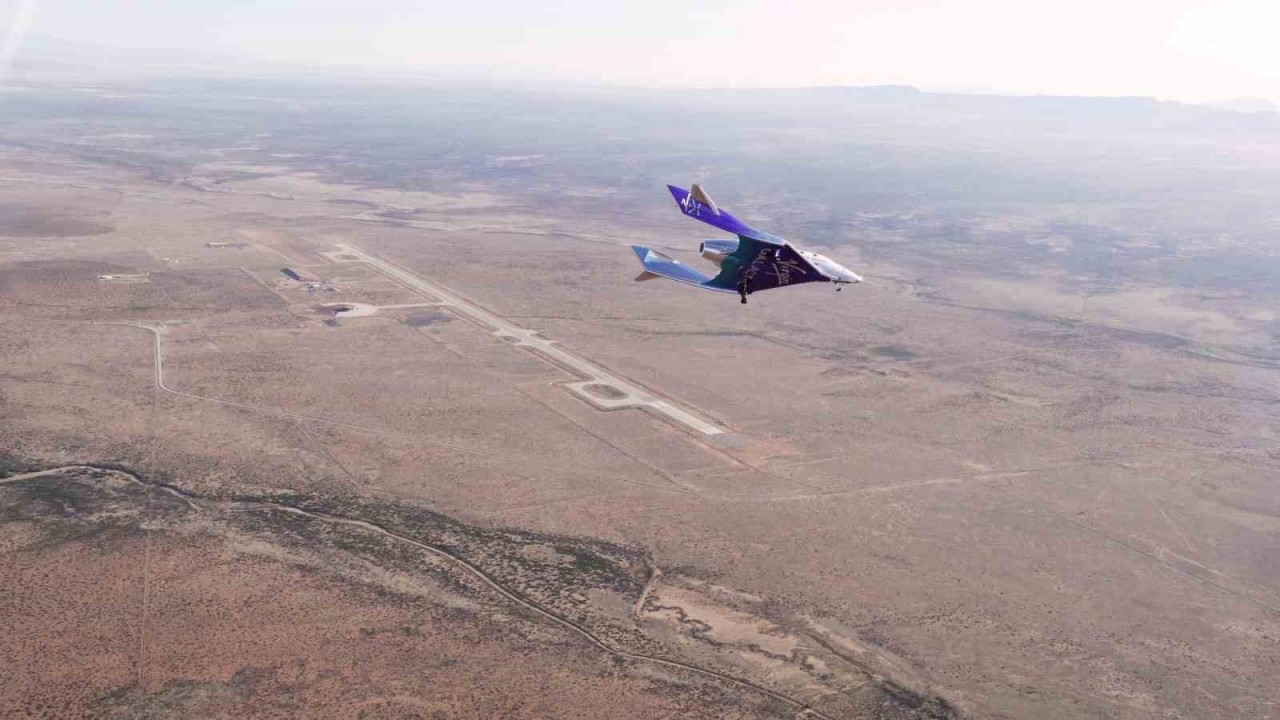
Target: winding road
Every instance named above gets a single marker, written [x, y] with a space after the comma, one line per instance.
[196, 503]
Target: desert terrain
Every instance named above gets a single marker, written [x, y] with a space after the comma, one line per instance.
[455, 463]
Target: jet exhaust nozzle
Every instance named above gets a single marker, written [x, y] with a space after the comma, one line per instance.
[714, 256]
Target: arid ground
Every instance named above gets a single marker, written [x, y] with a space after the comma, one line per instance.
[1028, 470]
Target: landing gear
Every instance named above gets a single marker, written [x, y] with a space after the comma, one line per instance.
[742, 291]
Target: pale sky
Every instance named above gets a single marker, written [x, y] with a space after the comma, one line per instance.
[1189, 50]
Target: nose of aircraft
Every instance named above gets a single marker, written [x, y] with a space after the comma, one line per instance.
[846, 275]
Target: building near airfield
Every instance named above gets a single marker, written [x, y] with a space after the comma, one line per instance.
[298, 275]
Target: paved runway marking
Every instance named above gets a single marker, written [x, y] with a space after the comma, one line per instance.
[620, 393]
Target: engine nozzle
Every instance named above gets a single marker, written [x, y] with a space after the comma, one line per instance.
[714, 256]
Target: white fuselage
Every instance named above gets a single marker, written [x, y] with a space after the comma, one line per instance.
[832, 269]
[717, 250]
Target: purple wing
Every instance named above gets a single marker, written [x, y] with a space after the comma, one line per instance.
[692, 207]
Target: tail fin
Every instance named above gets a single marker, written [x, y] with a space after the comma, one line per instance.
[701, 196]
[697, 204]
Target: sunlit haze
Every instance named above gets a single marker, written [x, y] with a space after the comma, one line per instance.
[1188, 50]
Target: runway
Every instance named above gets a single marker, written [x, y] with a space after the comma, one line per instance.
[597, 385]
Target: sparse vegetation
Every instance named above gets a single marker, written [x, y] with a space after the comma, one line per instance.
[1027, 473]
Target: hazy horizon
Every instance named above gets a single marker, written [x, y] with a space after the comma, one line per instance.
[1183, 50]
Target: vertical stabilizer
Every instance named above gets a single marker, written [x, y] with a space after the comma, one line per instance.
[701, 196]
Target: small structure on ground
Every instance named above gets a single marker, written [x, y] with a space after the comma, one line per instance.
[126, 277]
[299, 275]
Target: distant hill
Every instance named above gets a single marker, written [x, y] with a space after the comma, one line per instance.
[901, 106]
[50, 62]
[1248, 105]
[42, 60]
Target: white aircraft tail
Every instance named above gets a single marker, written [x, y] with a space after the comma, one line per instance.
[701, 196]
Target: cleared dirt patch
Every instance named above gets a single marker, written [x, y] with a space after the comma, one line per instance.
[427, 319]
[606, 392]
[21, 221]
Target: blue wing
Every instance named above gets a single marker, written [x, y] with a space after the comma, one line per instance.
[657, 264]
[694, 208]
